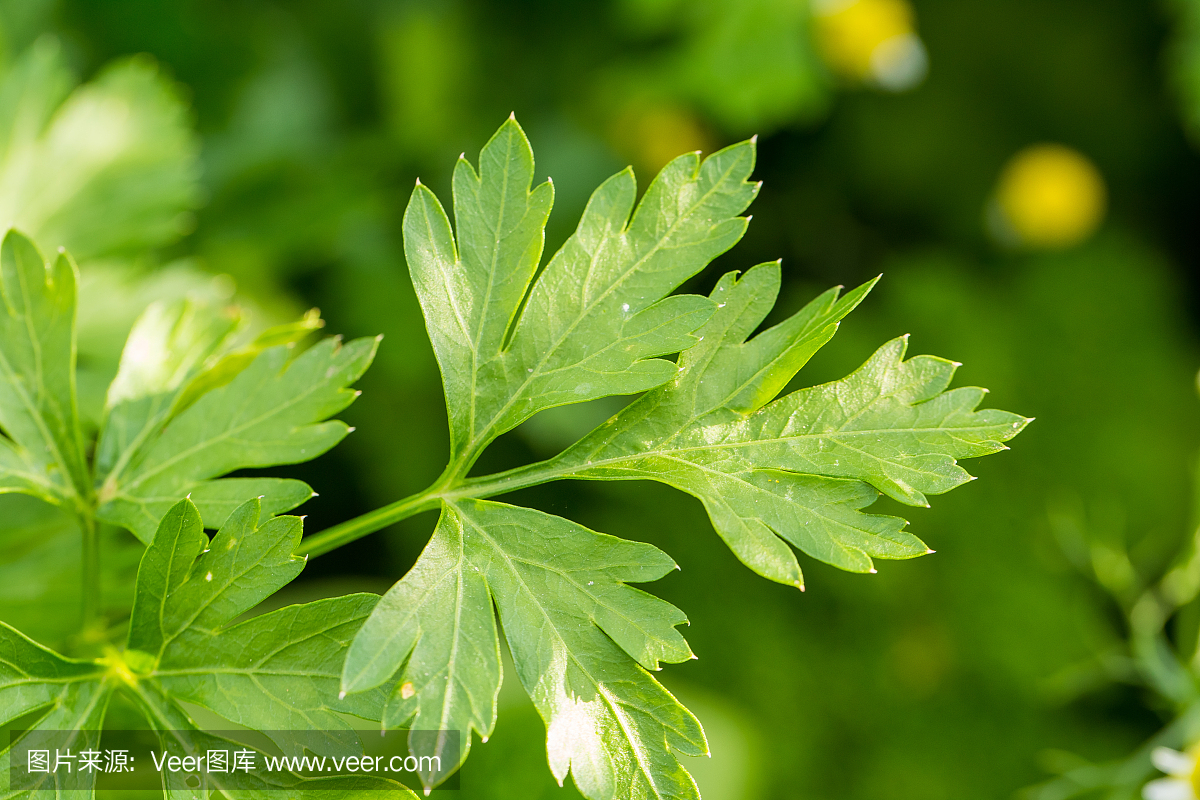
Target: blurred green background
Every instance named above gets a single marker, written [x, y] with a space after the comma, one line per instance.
[284, 138]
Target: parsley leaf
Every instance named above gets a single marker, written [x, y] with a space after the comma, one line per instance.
[73, 696]
[184, 409]
[597, 316]
[107, 169]
[272, 672]
[277, 671]
[797, 471]
[802, 467]
[581, 640]
[252, 407]
[189, 404]
[43, 454]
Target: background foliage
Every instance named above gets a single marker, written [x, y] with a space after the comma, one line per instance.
[971, 673]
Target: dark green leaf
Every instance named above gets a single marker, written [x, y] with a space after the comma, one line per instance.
[802, 467]
[577, 633]
[44, 452]
[69, 695]
[278, 671]
[271, 413]
[598, 315]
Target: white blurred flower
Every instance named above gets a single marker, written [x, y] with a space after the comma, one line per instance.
[1182, 777]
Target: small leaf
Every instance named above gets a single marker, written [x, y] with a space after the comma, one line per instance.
[801, 467]
[44, 452]
[109, 169]
[598, 316]
[278, 671]
[71, 696]
[439, 623]
[577, 634]
[271, 413]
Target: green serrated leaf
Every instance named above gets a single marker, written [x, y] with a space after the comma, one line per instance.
[438, 622]
[275, 672]
[179, 736]
[278, 671]
[773, 474]
[598, 316]
[581, 639]
[271, 413]
[175, 355]
[170, 345]
[43, 453]
[804, 466]
[71, 696]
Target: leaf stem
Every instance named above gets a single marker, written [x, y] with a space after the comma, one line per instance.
[509, 480]
[349, 531]
[92, 608]
[446, 488]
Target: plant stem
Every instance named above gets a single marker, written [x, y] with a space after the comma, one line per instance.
[349, 531]
[92, 608]
[431, 498]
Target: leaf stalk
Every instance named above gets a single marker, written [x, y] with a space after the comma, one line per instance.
[92, 602]
[446, 488]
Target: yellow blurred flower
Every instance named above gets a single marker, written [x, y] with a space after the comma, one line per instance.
[1048, 196]
[1183, 781]
[653, 134]
[873, 41]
